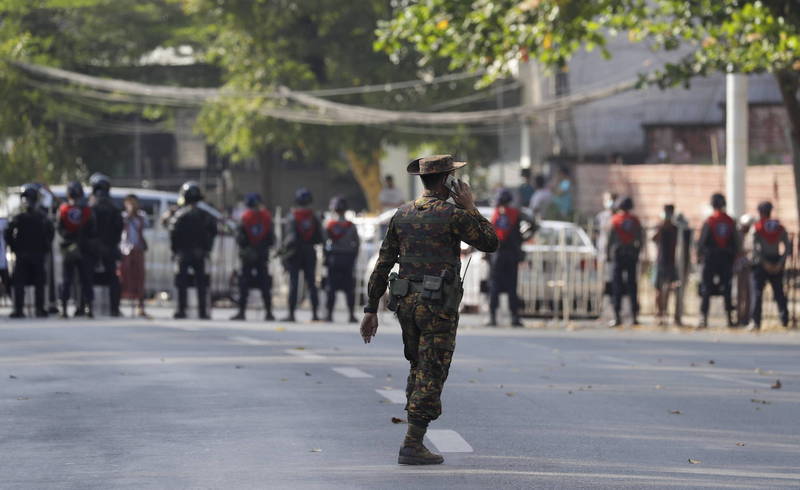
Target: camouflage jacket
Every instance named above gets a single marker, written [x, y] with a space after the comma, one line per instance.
[425, 237]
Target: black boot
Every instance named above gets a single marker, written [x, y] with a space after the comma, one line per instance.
[19, 303]
[88, 311]
[329, 316]
[239, 315]
[289, 317]
[516, 322]
[64, 313]
[413, 451]
[492, 320]
[703, 322]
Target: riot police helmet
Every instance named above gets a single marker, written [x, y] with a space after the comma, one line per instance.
[191, 193]
[303, 197]
[75, 190]
[765, 208]
[338, 204]
[718, 201]
[100, 183]
[29, 193]
[624, 203]
[252, 200]
[504, 197]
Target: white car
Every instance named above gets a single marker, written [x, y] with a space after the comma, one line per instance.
[558, 277]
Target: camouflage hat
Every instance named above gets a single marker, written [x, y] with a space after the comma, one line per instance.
[437, 164]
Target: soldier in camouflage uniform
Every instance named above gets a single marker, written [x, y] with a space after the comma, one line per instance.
[425, 237]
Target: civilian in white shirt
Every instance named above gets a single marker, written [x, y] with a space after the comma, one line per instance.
[391, 197]
[541, 196]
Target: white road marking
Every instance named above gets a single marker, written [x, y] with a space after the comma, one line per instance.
[448, 441]
[735, 380]
[618, 360]
[305, 354]
[394, 396]
[251, 341]
[352, 372]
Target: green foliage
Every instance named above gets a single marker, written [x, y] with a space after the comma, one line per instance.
[719, 35]
[41, 128]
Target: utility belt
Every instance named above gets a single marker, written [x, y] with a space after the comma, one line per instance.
[443, 290]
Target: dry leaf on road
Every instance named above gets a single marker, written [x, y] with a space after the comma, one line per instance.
[675, 412]
[694, 461]
[316, 450]
[777, 385]
[396, 420]
[740, 444]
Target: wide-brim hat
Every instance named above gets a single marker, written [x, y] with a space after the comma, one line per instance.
[436, 164]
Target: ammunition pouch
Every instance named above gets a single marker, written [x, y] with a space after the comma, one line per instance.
[398, 288]
[432, 289]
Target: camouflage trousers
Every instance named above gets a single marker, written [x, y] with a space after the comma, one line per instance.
[429, 338]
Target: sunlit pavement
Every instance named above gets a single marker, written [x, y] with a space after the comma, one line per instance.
[134, 403]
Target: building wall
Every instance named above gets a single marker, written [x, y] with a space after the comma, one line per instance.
[688, 187]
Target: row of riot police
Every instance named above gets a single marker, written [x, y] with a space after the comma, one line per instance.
[302, 232]
[719, 247]
[89, 231]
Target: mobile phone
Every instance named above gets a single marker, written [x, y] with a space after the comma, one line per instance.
[450, 183]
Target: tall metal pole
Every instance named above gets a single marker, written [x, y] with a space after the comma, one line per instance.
[736, 146]
[527, 78]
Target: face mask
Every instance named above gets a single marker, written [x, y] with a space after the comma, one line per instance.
[608, 203]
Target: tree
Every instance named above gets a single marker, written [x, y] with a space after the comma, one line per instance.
[310, 45]
[41, 129]
[729, 36]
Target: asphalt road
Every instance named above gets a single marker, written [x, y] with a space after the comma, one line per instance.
[139, 404]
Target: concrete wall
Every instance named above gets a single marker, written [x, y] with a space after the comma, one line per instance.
[688, 187]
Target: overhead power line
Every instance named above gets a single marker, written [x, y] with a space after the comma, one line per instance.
[306, 107]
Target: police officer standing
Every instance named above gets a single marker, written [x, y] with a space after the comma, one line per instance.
[30, 236]
[78, 231]
[768, 263]
[109, 233]
[625, 239]
[504, 264]
[341, 251]
[424, 237]
[255, 235]
[717, 249]
[302, 232]
[192, 233]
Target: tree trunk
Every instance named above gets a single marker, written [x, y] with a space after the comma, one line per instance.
[789, 83]
[367, 172]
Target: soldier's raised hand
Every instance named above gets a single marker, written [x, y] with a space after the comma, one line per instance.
[462, 195]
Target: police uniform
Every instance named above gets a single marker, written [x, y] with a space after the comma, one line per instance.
[341, 251]
[303, 232]
[624, 243]
[768, 263]
[29, 236]
[504, 265]
[192, 233]
[255, 235]
[109, 234]
[78, 231]
[424, 237]
[717, 247]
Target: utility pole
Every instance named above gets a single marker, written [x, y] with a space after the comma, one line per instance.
[530, 96]
[736, 142]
